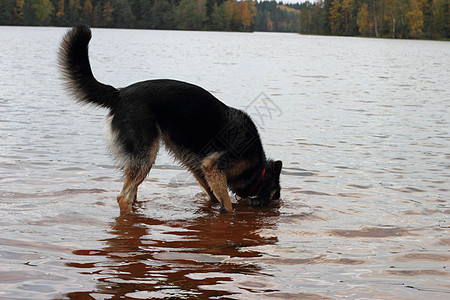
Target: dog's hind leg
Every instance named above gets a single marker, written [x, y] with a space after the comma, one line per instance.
[134, 176]
[217, 180]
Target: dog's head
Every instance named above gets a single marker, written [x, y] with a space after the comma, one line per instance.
[268, 188]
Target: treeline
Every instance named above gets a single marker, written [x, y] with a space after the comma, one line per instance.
[377, 18]
[229, 15]
[273, 16]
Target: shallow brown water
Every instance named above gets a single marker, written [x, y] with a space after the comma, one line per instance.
[363, 135]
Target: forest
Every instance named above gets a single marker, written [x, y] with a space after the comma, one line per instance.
[372, 18]
[377, 18]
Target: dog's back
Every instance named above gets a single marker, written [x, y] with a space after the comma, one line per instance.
[187, 114]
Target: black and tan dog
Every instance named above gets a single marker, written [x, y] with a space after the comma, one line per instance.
[220, 145]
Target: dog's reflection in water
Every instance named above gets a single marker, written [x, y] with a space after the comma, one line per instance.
[147, 254]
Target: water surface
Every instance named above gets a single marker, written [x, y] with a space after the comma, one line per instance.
[360, 124]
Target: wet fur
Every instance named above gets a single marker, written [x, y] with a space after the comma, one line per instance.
[220, 145]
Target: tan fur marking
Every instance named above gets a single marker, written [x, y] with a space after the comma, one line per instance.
[238, 168]
[217, 181]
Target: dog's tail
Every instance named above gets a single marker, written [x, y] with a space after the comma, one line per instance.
[76, 69]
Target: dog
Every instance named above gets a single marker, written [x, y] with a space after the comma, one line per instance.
[218, 144]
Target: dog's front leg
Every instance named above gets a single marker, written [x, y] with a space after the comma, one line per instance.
[217, 181]
[202, 181]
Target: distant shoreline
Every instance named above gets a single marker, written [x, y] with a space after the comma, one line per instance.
[255, 31]
[401, 19]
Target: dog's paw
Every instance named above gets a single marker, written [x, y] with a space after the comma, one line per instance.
[255, 202]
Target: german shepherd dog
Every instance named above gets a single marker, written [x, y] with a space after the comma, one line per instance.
[218, 144]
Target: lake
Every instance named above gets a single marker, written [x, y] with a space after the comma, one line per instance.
[361, 125]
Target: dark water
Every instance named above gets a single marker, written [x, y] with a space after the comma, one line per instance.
[362, 126]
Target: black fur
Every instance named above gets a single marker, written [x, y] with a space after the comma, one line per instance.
[190, 121]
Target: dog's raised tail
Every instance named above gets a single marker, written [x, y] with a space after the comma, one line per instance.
[76, 69]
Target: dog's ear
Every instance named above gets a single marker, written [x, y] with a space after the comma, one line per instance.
[277, 165]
